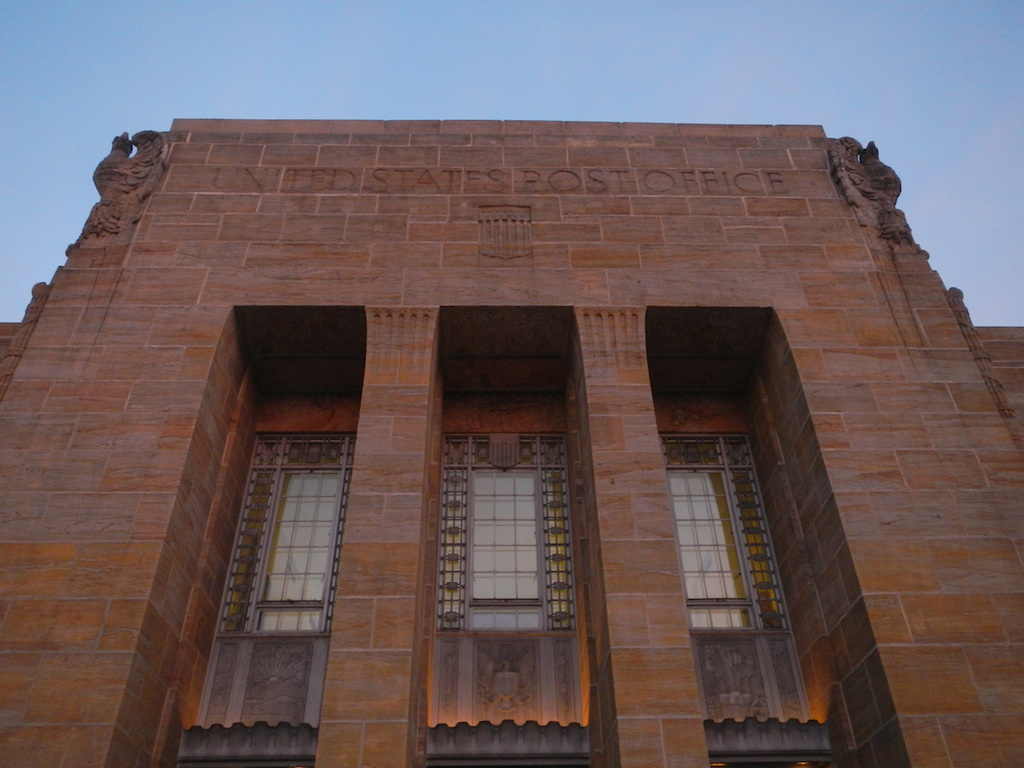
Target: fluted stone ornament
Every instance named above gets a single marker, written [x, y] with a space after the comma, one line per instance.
[125, 182]
[871, 187]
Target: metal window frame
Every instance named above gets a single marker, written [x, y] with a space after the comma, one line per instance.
[545, 455]
[253, 537]
[748, 524]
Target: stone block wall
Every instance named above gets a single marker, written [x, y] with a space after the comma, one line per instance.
[129, 412]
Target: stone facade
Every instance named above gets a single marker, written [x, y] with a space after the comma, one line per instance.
[605, 282]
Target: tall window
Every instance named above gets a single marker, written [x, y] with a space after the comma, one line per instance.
[723, 541]
[744, 652]
[284, 572]
[505, 552]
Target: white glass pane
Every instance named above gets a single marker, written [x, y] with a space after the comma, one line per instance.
[318, 560]
[483, 588]
[483, 535]
[483, 561]
[526, 561]
[504, 510]
[699, 618]
[504, 484]
[293, 588]
[526, 535]
[505, 588]
[275, 588]
[289, 621]
[321, 535]
[526, 587]
[314, 589]
[505, 560]
[482, 620]
[505, 621]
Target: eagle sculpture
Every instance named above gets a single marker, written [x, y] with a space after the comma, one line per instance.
[871, 187]
[124, 182]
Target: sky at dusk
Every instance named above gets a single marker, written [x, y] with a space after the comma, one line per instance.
[938, 85]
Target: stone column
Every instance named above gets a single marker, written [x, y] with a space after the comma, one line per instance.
[365, 717]
[657, 713]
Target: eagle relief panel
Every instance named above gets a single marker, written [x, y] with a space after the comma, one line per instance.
[488, 679]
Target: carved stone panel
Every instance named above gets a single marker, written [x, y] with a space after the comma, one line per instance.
[220, 683]
[506, 681]
[733, 680]
[787, 682]
[277, 683]
[494, 679]
[749, 674]
[265, 679]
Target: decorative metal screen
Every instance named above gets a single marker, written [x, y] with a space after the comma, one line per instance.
[284, 573]
[505, 545]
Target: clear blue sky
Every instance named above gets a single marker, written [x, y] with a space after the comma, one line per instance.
[937, 84]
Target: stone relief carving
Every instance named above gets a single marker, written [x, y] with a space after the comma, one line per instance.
[565, 658]
[955, 297]
[125, 183]
[277, 684]
[448, 679]
[265, 679]
[785, 678]
[220, 687]
[753, 675]
[486, 679]
[615, 337]
[40, 293]
[398, 344]
[505, 231]
[506, 678]
[733, 681]
[871, 187]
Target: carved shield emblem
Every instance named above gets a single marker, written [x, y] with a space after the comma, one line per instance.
[503, 451]
[505, 231]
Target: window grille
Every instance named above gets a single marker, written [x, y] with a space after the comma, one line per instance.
[505, 540]
[724, 547]
[285, 570]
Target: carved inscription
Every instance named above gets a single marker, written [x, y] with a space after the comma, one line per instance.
[686, 182]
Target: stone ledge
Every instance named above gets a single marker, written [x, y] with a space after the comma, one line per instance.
[755, 742]
[259, 746]
[507, 744]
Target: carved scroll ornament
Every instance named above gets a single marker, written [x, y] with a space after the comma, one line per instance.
[871, 187]
[124, 182]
